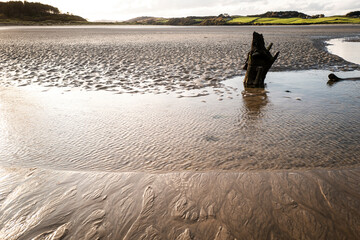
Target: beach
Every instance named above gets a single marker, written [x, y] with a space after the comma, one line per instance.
[317, 204]
[147, 59]
[148, 133]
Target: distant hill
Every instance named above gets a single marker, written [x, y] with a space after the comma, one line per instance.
[33, 11]
[268, 18]
[282, 14]
[145, 20]
[140, 19]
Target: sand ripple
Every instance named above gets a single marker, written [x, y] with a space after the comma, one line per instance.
[41, 204]
[94, 165]
[151, 60]
[261, 129]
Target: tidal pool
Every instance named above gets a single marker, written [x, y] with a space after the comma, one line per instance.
[347, 48]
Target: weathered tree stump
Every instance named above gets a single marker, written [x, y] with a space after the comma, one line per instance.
[259, 61]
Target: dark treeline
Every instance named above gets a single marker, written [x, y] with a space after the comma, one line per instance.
[282, 14]
[209, 20]
[18, 9]
[33, 11]
[181, 21]
[353, 14]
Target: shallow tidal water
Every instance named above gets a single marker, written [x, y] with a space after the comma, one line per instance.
[296, 122]
[90, 150]
[345, 47]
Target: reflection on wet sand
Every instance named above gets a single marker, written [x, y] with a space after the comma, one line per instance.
[254, 100]
[96, 165]
[48, 204]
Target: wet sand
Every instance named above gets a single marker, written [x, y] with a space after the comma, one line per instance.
[59, 186]
[186, 153]
[297, 124]
[155, 59]
[317, 204]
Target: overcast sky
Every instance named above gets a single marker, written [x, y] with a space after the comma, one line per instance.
[126, 9]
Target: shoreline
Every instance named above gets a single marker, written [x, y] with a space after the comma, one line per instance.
[13, 22]
[119, 25]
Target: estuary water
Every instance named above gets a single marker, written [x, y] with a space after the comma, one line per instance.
[296, 122]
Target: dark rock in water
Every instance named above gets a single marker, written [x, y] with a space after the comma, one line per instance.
[258, 62]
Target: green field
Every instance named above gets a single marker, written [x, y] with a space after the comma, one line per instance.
[238, 20]
[162, 20]
[327, 20]
[242, 20]
[287, 21]
[292, 21]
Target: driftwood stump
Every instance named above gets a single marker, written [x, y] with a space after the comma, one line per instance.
[259, 61]
[334, 79]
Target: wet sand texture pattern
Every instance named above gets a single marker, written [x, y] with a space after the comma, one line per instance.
[256, 130]
[153, 59]
[42, 204]
[79, 168]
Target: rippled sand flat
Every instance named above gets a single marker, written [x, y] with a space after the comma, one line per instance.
[149, 59]
[42, 204]
[172, 146]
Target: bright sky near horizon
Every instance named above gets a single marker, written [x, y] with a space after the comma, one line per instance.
[127, 9]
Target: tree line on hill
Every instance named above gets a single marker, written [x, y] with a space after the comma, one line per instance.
[355, 14]
[287, 14]
[225, 19]
[33, 11]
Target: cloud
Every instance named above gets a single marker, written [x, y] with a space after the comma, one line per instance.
[347, 6]
[165, 8]
[126, 9]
